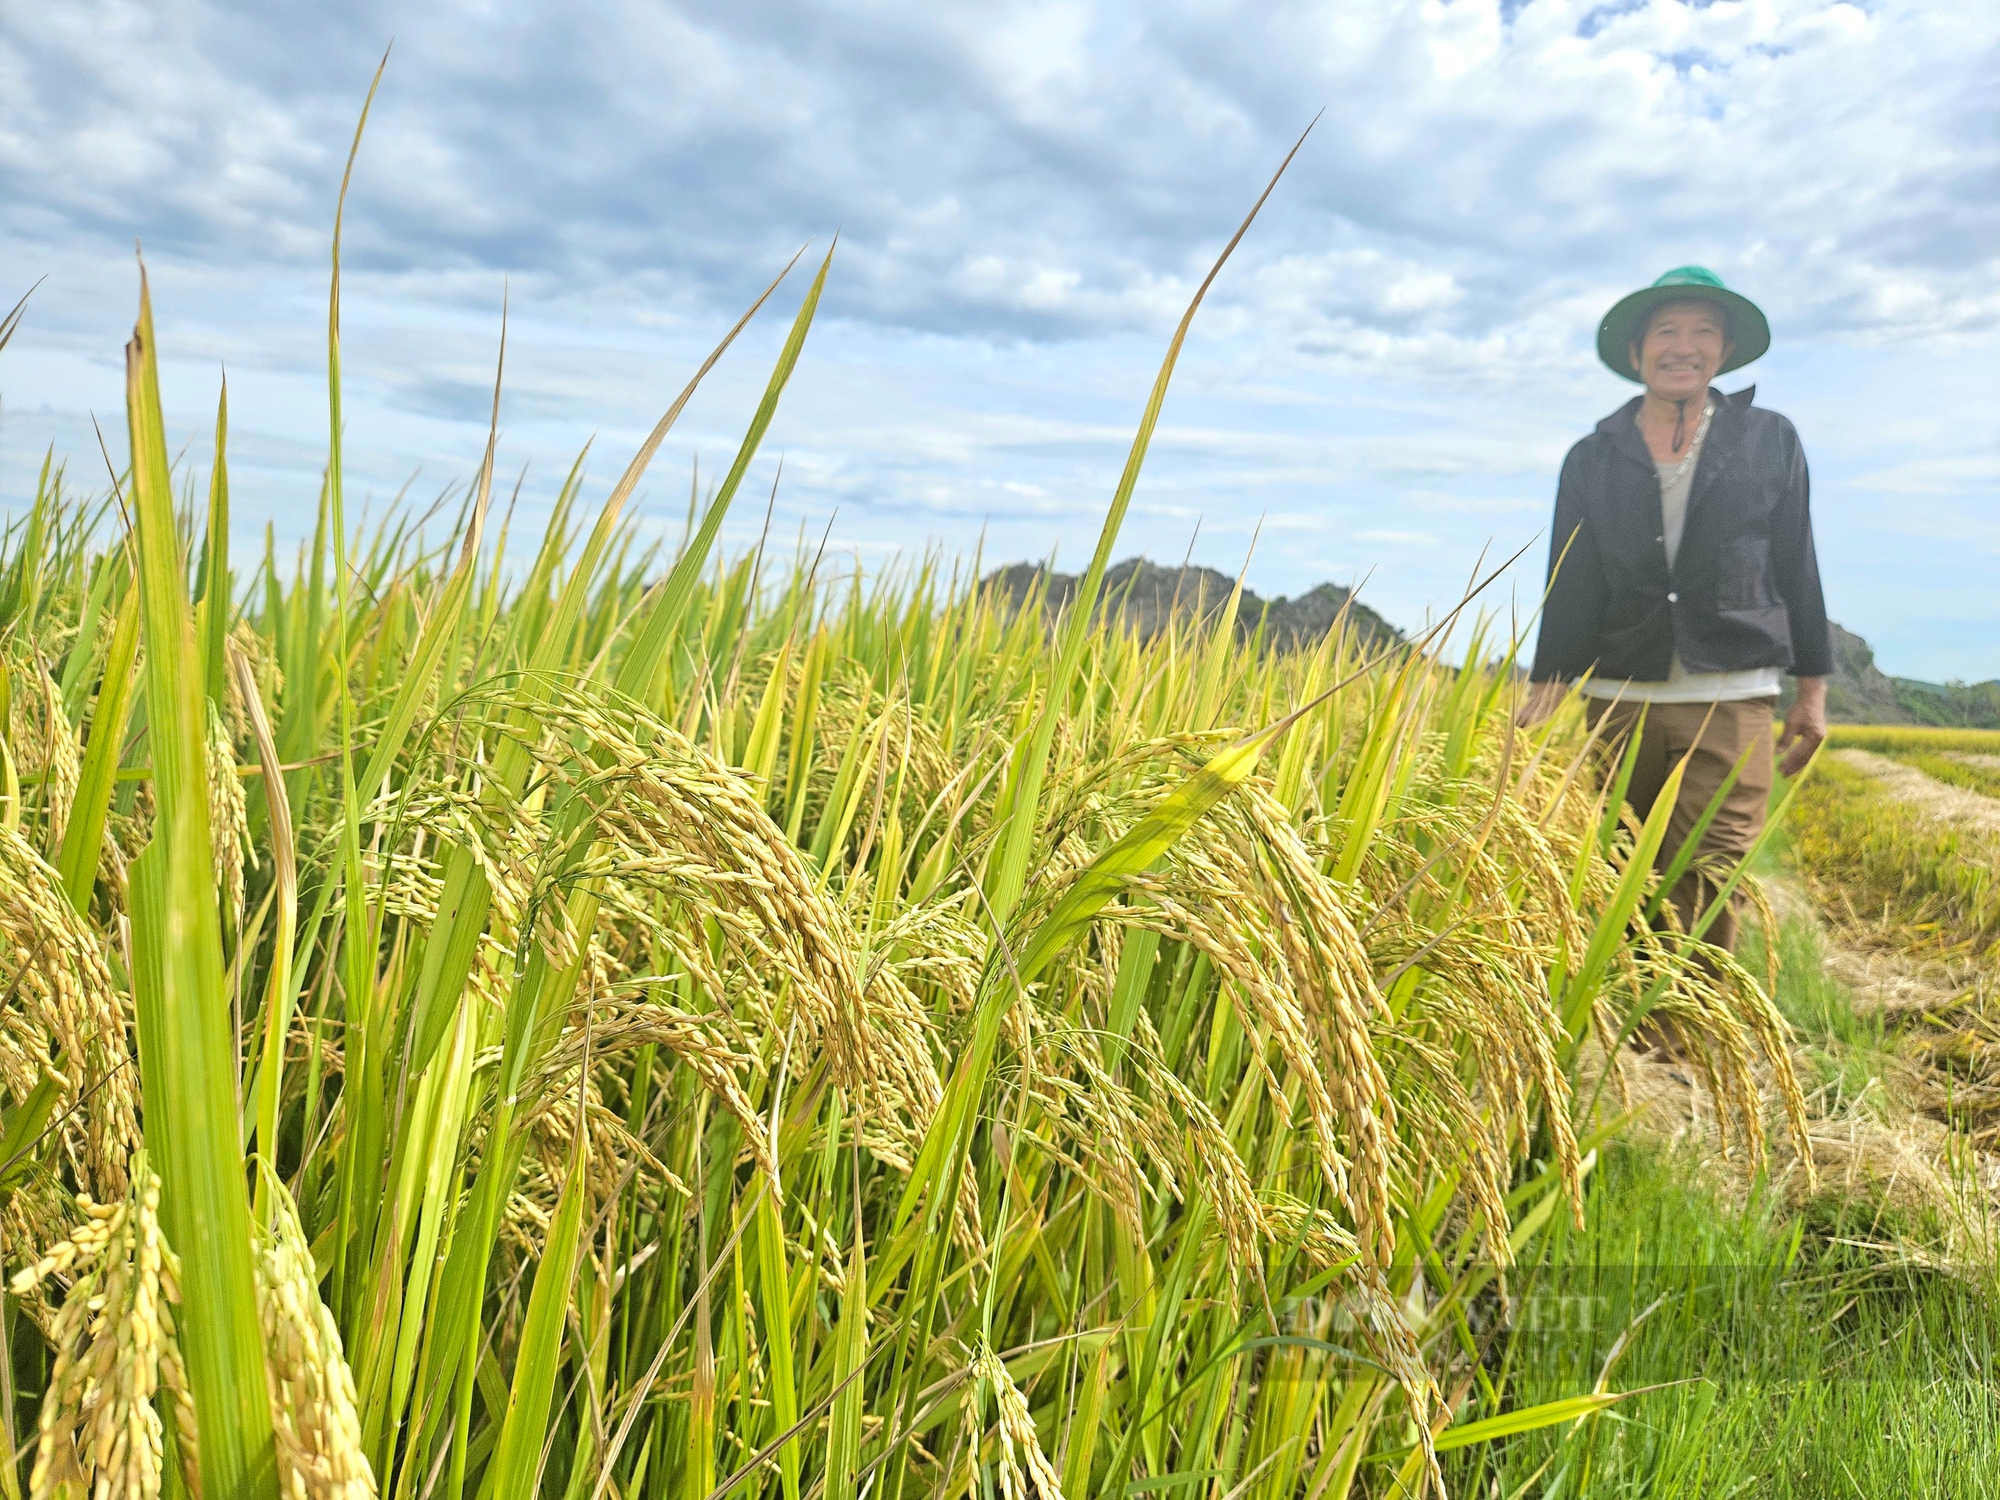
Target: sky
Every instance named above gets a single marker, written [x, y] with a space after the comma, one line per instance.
[1380, 386]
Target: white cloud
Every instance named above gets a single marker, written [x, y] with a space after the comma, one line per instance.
[1027, 193]
[1936, 476]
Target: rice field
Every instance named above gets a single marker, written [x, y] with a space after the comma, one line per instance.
[500, 1010]
[572, 1017]
[1907, 739]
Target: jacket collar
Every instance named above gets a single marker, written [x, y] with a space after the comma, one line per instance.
[1621, 428]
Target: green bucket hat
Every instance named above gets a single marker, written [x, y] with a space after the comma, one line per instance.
[1743, 322]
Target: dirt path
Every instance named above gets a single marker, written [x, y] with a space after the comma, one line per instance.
[1934, 798]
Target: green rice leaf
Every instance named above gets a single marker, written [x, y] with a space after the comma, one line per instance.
[83, 838]
[1022, 798]
[517, 1461]
[187, 1057]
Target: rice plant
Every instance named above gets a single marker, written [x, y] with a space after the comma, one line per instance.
[652, 1026]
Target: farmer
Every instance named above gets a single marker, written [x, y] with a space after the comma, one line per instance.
[1682, 581]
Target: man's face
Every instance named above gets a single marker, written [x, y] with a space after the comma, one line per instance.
[1684, 345]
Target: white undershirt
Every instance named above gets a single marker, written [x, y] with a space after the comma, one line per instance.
[1681, 686]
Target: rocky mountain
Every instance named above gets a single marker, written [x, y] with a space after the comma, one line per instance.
[1862, 693]
[1146, 595]
[1859, 692]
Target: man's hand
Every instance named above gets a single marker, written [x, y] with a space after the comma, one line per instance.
[1805, 726]
[1543, 699]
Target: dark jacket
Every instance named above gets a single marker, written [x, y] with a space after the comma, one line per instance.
[1744, 590]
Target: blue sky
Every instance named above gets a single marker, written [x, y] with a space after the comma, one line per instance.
[1384, 381]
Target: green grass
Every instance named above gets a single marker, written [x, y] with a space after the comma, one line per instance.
[1796, 1364]
[1811, 1368]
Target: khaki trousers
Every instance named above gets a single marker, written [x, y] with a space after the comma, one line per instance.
[1710, 738]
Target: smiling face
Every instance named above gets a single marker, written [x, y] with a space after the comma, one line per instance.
[1683, 346]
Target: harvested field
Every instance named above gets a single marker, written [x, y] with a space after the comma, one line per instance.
[1925, 794]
